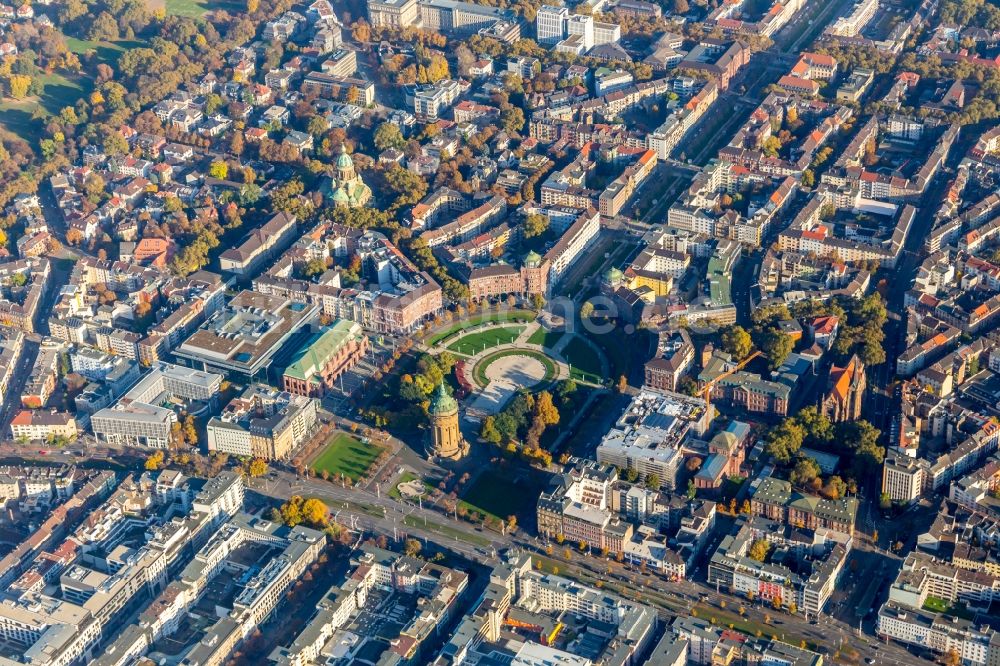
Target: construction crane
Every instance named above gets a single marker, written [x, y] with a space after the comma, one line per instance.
[707, 389]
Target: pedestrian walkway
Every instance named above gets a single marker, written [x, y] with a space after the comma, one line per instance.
[554, 354]
[562, 368]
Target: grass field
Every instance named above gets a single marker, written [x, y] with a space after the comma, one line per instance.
[476, 320]
[479, 372]
[16, 117]
[474, 343]
[346, 455]
[196, 8]
[405, 477]
[445, 530]
[545, 337]
[58, 91]
[585, 365]
[497, 496]
[107, 52]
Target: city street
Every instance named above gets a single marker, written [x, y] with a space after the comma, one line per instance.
[380, 514]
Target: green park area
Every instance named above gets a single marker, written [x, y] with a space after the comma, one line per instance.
[346, 455]
[497, 496]
[407, 477]
[107, 52]
[196, 8]
[60, 89]
[476, 320]
[480, 341]
[584, 364]
[546, 338]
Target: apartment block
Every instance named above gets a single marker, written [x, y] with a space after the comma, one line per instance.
[263, 423]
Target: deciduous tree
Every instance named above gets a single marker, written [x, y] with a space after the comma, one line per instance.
[535, 225]
[759, 550]
[219, 169]
[19, 85]
[736, 341]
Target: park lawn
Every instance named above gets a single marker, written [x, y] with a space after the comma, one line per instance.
[497, 496]
[107, 52]
[446, 530]
[476, 320]
[198, 8]
[584, 363]
[15, 116]
[346, 455]
[474, 343]
[546, 338]
[58, 91]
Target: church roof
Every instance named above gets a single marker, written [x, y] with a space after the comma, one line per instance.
[344, 160]
[340, 195]
[843, 378]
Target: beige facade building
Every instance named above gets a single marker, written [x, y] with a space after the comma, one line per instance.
[263, 423]
[41, 425]
[393, 13]
[446, 438]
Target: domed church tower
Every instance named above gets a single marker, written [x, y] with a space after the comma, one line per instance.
[348, 188]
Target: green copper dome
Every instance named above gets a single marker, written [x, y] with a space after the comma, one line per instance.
[613, 276]
[441, 402]
[340, 196]
[344, 161]
[533, 259]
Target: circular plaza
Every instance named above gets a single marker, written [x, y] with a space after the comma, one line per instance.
[498, 358]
